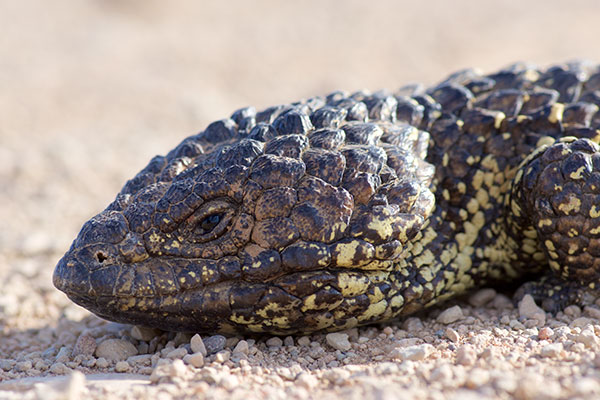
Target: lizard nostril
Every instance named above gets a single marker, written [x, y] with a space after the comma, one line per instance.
[101, 257]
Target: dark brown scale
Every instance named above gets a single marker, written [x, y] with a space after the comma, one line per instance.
[287, 146]
[431, 110]
[328, 117]
[409, 111]
[268, 115]
[382, 107]
[566, 82]
[325, 164]
[452, 97]
[579, 114]
[479, 85]
[245, 118]
[327, 138]
[481, 121]
[345, 210]
[356, 110]
[292, 121]
[361, 133]
[262, 132]
[508, 101]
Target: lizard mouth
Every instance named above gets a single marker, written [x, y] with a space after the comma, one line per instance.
[132, 293]
[72, 277]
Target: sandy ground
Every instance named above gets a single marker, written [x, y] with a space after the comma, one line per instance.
[91, 90]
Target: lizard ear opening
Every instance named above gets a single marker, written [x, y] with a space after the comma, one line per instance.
[101, 257]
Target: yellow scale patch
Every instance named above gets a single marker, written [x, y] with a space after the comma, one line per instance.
[383, 226]
[347, 254]
[556, 112]
[374, 310]
[594, 212]
[381, 265]
[351, 285]
[573, 204]
[240, 319]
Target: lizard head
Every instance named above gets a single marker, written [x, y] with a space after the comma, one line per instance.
[290, 223]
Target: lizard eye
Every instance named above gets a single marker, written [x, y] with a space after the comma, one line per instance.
[209, 223]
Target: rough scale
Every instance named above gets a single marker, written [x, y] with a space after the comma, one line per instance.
[351, 209]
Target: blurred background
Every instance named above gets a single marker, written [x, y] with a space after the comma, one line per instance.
[91, 90]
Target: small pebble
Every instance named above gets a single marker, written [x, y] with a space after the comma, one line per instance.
[501, 302]
[587, 337]
[42, 365]
[182, 338]
[551, 350]
[534, 386]
[413, 324]
[85, 345]
[303, 341]
[306, 380]
[177, 353]
[452, 335]
[49, 352]
[142, 359]
[587, 386]
[116, 349]
[143, 333]
[122, 366]
[229, 382]
[490, 353]
[352, 333]
[466, 355]
[388, 330]
[274, 342]
[482, 297]
[102, 362]
[515, 324]
[23, 366]
[63, 354]
[285, 373]
[213, 344]
[580, 322]
[593, 312]
[476, 378]
[529, 310]
[450, 315]
[409, 342]
[196, 360]
[338, 341]
[241, 347]
[412, 353]
[442, 374]
[222, 356]
[7, 364]
[167, 371]
[143, 347]
[197, 345]
[545, 333]
[288, 341]
[59, 368]
[573, 311]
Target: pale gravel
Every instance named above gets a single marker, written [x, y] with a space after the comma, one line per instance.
[92, 90]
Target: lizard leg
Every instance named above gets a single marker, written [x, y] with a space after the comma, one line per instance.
[556, 197]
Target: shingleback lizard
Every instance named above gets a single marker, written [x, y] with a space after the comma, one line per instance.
[351, 209]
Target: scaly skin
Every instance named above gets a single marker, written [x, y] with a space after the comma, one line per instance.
[348, 210]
